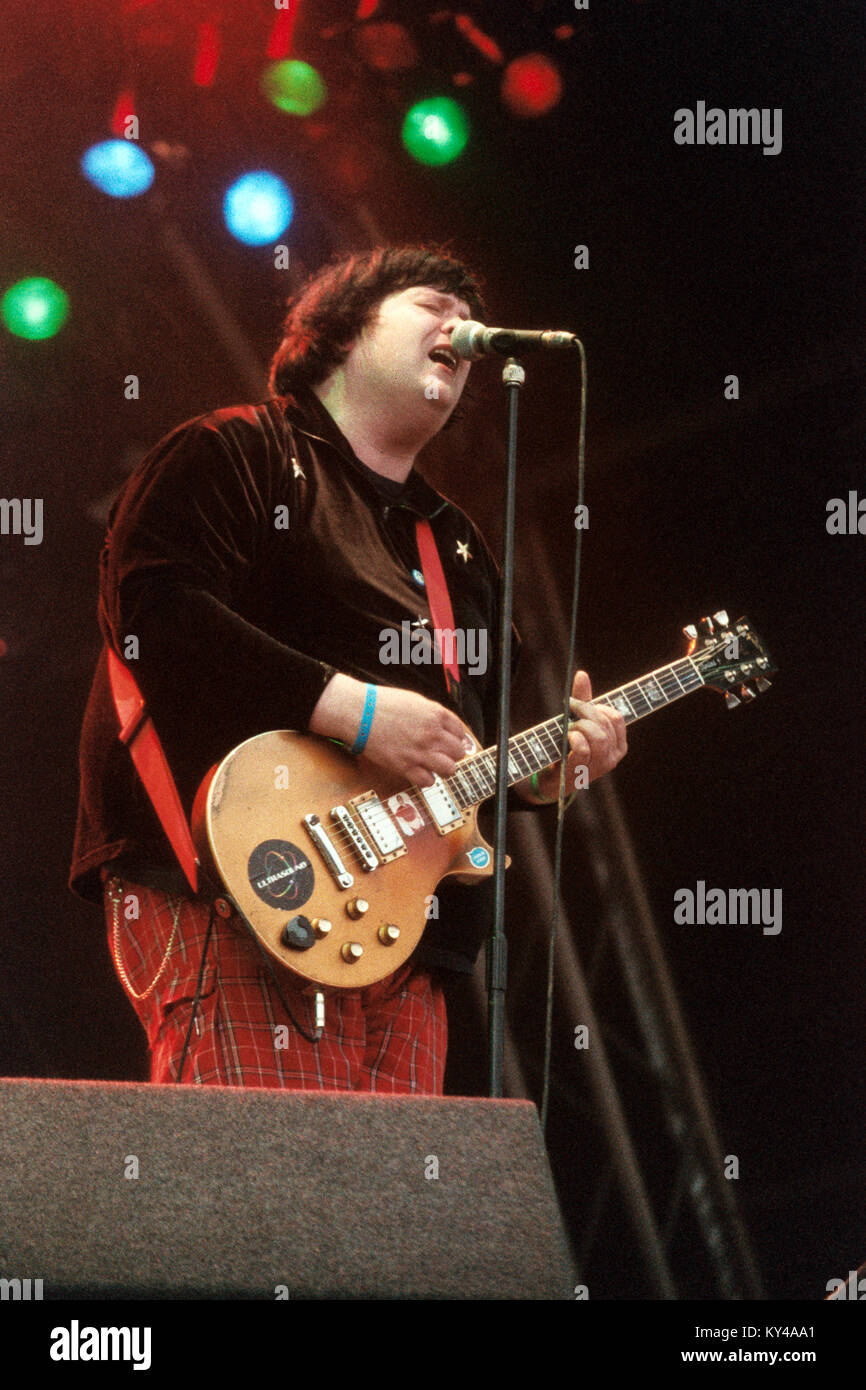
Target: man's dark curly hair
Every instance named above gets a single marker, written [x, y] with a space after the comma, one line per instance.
[325, 316]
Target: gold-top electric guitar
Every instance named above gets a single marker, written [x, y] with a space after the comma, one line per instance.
[333, 863]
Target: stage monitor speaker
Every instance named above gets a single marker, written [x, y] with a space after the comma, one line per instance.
[114, 1190]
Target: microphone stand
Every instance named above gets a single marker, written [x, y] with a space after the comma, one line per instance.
[513, 377]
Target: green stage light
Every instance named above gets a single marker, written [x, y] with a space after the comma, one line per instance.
[435, 131]
[294, 86]
[34, 308]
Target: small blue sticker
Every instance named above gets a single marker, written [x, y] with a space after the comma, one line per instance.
[479, 857]
[418, 577]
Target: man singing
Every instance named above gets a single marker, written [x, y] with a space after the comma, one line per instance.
[234, 623]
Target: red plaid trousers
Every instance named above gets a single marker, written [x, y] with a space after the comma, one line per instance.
[391, 1036]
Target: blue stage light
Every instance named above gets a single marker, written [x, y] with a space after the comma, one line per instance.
[257, 208]
[119, 168]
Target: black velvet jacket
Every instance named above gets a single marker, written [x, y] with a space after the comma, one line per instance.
[243, 612]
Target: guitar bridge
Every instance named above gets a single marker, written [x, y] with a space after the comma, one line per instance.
[362, 847]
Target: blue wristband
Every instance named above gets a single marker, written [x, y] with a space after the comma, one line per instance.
[366, 720]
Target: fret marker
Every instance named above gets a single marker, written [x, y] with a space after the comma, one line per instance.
[652, 691]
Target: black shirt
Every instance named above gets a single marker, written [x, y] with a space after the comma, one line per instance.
[249, 558]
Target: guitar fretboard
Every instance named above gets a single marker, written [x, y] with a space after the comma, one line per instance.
[539, 747]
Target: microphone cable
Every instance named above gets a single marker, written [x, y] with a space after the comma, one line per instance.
[564, 749]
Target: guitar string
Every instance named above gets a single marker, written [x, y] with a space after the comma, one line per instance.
[477, 772]
[665, 680]
[662, 679]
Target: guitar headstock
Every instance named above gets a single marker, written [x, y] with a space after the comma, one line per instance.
[730, 655]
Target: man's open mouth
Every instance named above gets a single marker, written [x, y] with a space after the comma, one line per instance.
[446, 357]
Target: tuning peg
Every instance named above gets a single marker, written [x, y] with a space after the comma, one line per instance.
[691, 632]
[731, 700]
[721, 618]
[706, 626]
[762, 683]
[746, 692]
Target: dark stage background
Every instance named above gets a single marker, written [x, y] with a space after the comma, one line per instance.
[703, 261]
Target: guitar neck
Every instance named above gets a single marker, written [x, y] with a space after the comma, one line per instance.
[539, 747]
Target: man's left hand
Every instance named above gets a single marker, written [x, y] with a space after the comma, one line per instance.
[597, 741]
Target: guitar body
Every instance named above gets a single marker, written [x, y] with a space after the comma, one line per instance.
[249, 824]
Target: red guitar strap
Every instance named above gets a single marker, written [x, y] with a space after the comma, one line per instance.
[438, 597]
[142, 740]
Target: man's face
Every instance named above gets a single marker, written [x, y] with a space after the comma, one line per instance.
[397, 353]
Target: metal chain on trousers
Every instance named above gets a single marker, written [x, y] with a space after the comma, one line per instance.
[115, 893]
[222, 908]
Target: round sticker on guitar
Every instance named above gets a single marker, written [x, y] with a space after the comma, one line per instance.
[280, 874]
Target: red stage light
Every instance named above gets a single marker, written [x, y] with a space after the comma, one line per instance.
[280, 41]
[531, 85]
[366, 8]
[207, 54]
[124, 107]
[483, 42]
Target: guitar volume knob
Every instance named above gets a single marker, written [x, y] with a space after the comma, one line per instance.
[388, 933]
[321, 926]
[351, 951]
[356, 907]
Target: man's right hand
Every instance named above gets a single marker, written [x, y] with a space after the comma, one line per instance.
[410, 736]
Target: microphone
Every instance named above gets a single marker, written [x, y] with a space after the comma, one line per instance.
[474, 340]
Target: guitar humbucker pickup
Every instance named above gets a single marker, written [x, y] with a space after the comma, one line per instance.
[444, 811]
[379, 825]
